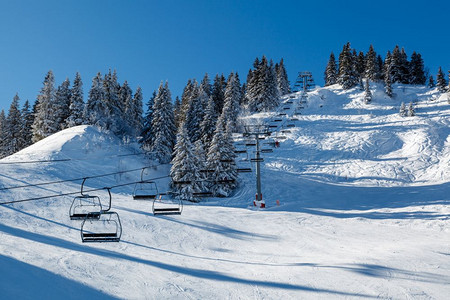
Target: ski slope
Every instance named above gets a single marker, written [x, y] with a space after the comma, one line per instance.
[364, 212]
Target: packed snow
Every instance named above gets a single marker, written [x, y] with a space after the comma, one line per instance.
[363, 211]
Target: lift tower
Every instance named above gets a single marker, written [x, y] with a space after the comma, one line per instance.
[258, 132]
[304, 82]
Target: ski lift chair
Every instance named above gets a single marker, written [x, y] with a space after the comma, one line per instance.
[145, 190]
[103, 226]
[166, 206]
[84, 206]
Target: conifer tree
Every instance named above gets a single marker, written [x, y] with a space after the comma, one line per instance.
[147, 134]
[441, 83]
[282, 79]
[163, 125]
[61, 107]
[403, 112]
[134, 112]
[218, 93]
[371, 69]
[12, 132]
[431, 83]
[230, 110]
[114, 109]
[205, 85]
[271, 92]
[361, 64]
[2, 134]
[125, 100]
[208, 124]
[417, 73]
[404, 67]
[195, 113]
[387, 74]
[185, 172]
[411, 110]
[347, 75]
[380, 73]
[27, 122]
[177, 112]
[95, 110]
[221, 162]
[185, 99]
[331, 71]
[396, 66]
[44, 122]
[367, 93]
[76, 107]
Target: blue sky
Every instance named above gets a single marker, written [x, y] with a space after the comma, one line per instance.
[150, 41]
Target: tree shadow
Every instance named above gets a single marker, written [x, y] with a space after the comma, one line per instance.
[210, 227]
[198, 273]
[24, 281]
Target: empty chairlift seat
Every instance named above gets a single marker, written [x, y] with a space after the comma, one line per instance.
[103, 226]
[145, 190]
[165, 206]
[84, 206]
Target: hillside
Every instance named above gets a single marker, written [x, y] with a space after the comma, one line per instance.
[364, 212]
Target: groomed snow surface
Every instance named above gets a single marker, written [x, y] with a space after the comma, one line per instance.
[364, 212]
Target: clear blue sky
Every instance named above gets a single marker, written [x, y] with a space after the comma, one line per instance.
[150, 41]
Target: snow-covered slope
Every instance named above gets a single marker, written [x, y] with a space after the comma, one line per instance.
[364, 212]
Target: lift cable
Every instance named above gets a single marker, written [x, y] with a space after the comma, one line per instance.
[75, 179]
[62, 159]
[74, 193]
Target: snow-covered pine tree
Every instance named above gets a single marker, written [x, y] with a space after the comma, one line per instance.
[194, 113]
[231, 107]
[411, 110]
[403, 112]
[404, 67]
[114, 108]
[282, 79]
[185, 99]
[208, 124]
[396, 73]
[347, 75]
[387, 75]
[76, 107]
[147, 134]
[331, 71]
[177, 112]
[380, 73]
[44, 122]
[95, 110]
[271, 93]
[137, 111]
[205, 85]
[61, 107]
[416, 71]
[27, 122]
[441, 83]
[361, 64]
[367, 93]
[218, 93]
[163, 125]
[221, 162]
[431, 83]
[2, 134]
[125, 98]
[12, 132]
[371, 70]
[185, 172]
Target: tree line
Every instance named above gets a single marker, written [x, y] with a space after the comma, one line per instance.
[193, 133]
[353, 66]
